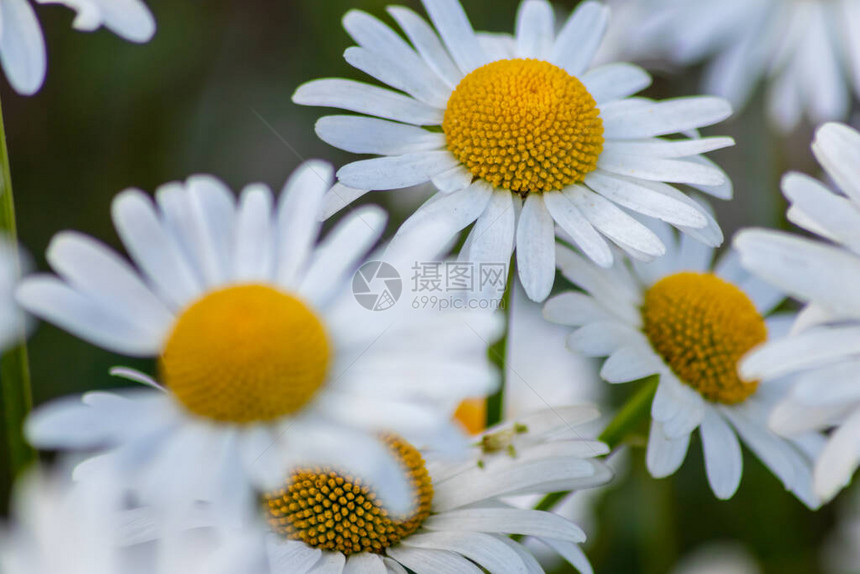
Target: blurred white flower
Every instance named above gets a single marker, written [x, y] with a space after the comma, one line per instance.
[718, 558]
[267, 358]
[689, 323]
[59, 527]
[22, 46]
[519, 134]
[807, 51]
[14, 323]
[462, 522]
[823, 351]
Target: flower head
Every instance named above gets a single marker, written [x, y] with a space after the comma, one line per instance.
[690, 324]
[519, 135]
[328, 516]
[266, 359]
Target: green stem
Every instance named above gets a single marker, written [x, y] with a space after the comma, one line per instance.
[14, 364]
[498, 355]
[629, 418]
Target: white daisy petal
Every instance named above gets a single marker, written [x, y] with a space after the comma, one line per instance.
[659, 169]
[663, 118]
[397, 171]
[535, 29]
[339, 197]
[492, 238]
[614, 82]
[665, 455]
[837, 216]
[425, 40]
[723, 459]
[572, 553]
[374, 136]
[364, 563]
[668, 148]
[22, 47]
[481, 548]
[579, 39]
[423, 561]
[629, 364]
[424, 87]
[506, 521]
[367, 99]
[536, 248]
[839, 459]
[255, 241]
[455, 30]
[837, 147]
[564, 212]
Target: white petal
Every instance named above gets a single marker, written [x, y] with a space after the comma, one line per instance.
[535, 29]
[669, 148]
[665, 117]
[367, 99]
[629, 364]
[492, 238]
[22, 47]
[642, 198]
[363, 135]
[659, 169]
[254, 253]
[574, 309]
[397, 171]
[425, 40]
[330, 563]
[506, 521]
[338, 197]
[837, 216]
[425, 88]
[453, 26]
[837, 147]
[723, 459]
[808, 270]
[154, 249]
[298, 219]
[615, 81]
[564, 211]
[536, 249]
[603, 338]
[572, 553]
[422, 561]
[579, 39]
[665, 455]
[839, 459]
[364, 564]
[481, 548]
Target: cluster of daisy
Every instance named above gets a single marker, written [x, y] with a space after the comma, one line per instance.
[290, 429]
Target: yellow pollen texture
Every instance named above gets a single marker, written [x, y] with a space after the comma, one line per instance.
[702, 326]
[245, 354]
[337, 512]
[524, 125]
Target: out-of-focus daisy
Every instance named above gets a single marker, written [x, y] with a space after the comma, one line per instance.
[327, 520]
[265, 355]
[519, 135]
[22, 46]
[823, 351]
[690, 324]
[62, 528]
[14, 324]
[719, 558]
[807, 50]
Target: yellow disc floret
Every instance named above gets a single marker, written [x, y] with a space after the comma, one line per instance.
[245, 354]
[702, 325]
[524, 125]
[333, 511]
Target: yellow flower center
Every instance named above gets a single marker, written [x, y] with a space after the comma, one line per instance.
[245, 354]
[333, 511]
[702, 326]
[524, 125]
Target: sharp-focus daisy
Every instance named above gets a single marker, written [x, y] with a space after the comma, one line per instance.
[326, 520]
[519, 135]
[807, 50]
[265, 356]
[63, 528]
[823, 352]
[22, 46]
[690, 324]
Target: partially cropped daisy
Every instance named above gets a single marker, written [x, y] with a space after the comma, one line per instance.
[62, 528]
[22, 46]
[519, 135]
[265, 357]
[326, 520]
[690, 323]
[807, 50]
[823, 352]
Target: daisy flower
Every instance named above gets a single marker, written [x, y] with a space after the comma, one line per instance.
[59, 527]
[519, 135]
[22, 46]
[823, 351]
[807, 51]
[690, 323]
[328, 520]
[265, 355]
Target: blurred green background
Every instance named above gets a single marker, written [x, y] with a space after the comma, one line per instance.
[211, 93]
